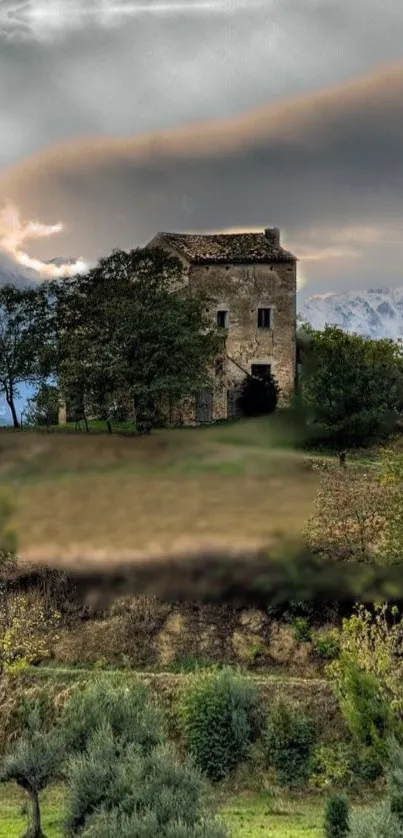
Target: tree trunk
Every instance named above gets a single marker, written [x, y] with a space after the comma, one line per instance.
[35, 828]
[10, 402]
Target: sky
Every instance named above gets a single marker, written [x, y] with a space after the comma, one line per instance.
[121, 120]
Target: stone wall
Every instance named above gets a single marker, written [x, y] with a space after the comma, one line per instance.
[242, 289]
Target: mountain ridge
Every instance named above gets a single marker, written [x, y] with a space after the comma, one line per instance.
[376, 313]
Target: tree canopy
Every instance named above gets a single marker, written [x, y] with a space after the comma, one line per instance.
[350, 387]
[132, 325]
[25, 340]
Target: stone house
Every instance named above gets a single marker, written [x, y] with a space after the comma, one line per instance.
[252, 281]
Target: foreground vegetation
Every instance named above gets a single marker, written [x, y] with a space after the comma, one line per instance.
[247, 814]
[214, 749]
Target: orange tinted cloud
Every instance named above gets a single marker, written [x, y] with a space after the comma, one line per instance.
[327, 159]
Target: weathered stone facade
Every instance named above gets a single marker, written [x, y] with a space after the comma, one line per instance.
[252, 282]
[264, 279]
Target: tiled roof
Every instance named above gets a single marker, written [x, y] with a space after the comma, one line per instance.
[238, 248]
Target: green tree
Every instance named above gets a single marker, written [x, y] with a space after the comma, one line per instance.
[221, 719]
[337, 812]
[33, 762]
[362, 704]
[290, 740]
[372, 640]
[132, 324]
[350, 387]
[25, 339]
[123, 779]
[43, 407]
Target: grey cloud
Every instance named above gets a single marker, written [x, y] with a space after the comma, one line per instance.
[154, 72]
[323, 159]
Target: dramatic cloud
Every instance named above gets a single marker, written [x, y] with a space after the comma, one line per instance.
[13, 234]
[324, 166]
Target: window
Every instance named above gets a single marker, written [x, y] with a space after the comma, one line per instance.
[222, 319]
[264, 318]
[260, 370]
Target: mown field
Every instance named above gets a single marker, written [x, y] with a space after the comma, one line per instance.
[237, 483]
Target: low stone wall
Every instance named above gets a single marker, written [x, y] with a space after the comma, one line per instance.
[146, 633]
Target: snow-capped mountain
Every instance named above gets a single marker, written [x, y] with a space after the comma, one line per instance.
[13, 274]
[61, 260]
[377, 313]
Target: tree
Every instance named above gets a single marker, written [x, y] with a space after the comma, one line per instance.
[24, 340]
[259, 395]
[350, 387]
[221, 720]
[337, 817]
[33, 763]
[43, 407]
[123, 779]
[131, 324]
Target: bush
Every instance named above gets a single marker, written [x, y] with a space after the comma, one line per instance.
[123, 705]
[221, 718]
[335, 765]
[123, 779]
[337, 817]
[258, 396]
[377, 822]
[289, 738]
[302, 629]
[363, 707]
[27, 632]
[153, 796]
[327, 646]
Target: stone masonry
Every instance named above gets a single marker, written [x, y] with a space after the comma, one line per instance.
[252, 282]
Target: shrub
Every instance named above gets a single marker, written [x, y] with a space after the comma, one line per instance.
[152, 796]
[258, 396]
[123, 779]
[334, 765]
[337, 817]
[289, 738]
[377, 822]
[374, 639]
[125, 706]
[363, 707]
[395, 779]
[327, 646]
[221, 718]
[27, 632]
[302, 629]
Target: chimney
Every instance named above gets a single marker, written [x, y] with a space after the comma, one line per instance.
[273, 235]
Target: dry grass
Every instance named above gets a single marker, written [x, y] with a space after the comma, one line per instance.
[217, 486]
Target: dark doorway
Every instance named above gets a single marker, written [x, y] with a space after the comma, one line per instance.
[204, 406]
[260, 370]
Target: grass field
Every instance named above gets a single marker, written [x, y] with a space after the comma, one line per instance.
[237, 483]
[246, 815]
